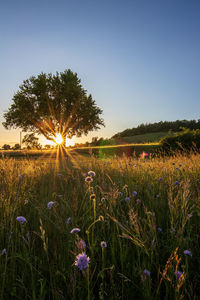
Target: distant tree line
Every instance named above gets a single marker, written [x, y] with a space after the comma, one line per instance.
[174, 126]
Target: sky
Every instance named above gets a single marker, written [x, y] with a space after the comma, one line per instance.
[140, 59]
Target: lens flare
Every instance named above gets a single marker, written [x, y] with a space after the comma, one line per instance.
[58, 139]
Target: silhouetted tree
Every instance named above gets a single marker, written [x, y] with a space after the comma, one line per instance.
[6, 147]
[16, 147]
[52, 104]
[31, 141]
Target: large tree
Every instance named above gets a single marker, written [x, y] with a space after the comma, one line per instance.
[53, 104]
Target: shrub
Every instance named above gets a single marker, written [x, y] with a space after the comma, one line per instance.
[187, 139]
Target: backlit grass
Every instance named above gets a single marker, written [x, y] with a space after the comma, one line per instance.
[134, 221]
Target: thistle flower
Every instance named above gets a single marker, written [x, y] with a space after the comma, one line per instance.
[50, 204]
[134, 193]
[91, 173]
[82, 261]
[88, 179]
[187, 252]
[3, 251]
[69, 220]
[127, 199]
[21, 219]
[103, 244]
[147, 273]
[178, 274]
[75, 230]
[138, 201]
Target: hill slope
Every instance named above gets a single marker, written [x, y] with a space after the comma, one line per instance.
[153, 137]
[159, 127]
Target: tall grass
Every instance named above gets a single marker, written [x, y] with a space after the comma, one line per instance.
[147, 212]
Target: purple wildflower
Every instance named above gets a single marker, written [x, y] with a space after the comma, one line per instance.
[187, 252]
[159, 229]
[69, 220]
[103, 244]
[178, 274]
[91, 173]
[3, 251]
[147, 273]
[134, 193]
[82, 261]
[75, 230]
[59, 174]
[120, 194]
[176, 183]
[160, 179]
[50, 204]
[127, 199]
[138, 201]
[88, 179]
[21, 219]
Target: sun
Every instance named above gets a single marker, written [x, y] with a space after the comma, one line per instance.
[58, 139]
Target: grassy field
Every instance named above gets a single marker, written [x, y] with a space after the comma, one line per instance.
[153, 137]
[98, 151]
[129, 230]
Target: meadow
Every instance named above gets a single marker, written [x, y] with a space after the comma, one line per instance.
[100, 228]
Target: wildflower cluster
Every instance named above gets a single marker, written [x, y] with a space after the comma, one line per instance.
[82, 261]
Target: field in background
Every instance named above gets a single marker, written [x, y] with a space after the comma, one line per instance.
[146, 210]
[98, 151]
[153, 137]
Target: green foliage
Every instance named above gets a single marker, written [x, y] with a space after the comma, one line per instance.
[50, 104]
[153, 137]
[187, 139]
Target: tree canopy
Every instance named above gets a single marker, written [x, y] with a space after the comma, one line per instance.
[53, 104]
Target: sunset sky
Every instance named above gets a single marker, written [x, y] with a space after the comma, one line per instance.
[140, 60]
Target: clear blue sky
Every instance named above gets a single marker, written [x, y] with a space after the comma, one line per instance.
[140, 60]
